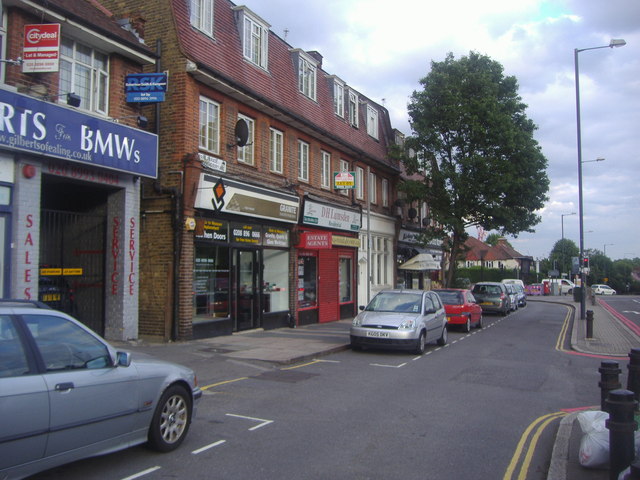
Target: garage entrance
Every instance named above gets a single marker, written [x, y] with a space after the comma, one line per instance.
[72, 249]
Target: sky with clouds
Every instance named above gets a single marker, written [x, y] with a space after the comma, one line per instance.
[383, 50]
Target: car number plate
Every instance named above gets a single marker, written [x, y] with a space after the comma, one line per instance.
[377, 334]
[486, 303]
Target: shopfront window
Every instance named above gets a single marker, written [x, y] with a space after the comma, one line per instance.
[276, 280]
[307, 282]
[345, 280]
[211, 282]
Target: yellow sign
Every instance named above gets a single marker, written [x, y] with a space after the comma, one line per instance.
[50, 272]
[341, 241]
[72, 271]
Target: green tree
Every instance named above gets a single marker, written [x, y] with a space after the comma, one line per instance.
[561, 255]
[476, 151]
[492, 239]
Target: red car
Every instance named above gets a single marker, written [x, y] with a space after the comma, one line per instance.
[461, 308]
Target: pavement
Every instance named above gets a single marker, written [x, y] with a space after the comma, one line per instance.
[288, 346]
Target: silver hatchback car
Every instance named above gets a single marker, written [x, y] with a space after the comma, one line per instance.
[400, 319]
[66, 394]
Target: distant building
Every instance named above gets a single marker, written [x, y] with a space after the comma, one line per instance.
[501, 256]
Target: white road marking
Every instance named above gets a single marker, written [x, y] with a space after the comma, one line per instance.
[207, 447]
[264, 422]
[387, 366]
[142, 473]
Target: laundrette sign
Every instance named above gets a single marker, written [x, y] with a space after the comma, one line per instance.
[44, 128]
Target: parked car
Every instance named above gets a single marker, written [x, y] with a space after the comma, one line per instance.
[600, 289]
[400, 319]
[513, 296]
[461, 308]
[492, 297]
[521, 295]
[515, 281]
[66, 394]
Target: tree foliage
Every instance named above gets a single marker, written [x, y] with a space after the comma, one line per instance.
[476, 151]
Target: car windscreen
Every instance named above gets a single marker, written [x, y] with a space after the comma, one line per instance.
[450, 298]
[487, 290]
[396, 302]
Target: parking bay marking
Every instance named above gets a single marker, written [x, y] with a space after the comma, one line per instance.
[142, 473]
[207, 447]
[262, 420]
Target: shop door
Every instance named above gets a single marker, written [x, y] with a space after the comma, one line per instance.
[72, 249]
[246, 295]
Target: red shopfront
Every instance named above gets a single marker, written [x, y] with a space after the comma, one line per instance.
[326, 264]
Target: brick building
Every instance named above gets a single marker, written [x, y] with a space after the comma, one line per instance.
[247, 225]
[71, 161]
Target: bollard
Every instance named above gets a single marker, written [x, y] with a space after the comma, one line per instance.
[609, 380]
[589, 323]
[621, 407]
[633, 378]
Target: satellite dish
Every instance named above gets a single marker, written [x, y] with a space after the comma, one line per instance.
[242, 133]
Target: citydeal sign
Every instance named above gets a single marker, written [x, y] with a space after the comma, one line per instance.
[41, 48]
[43, 128]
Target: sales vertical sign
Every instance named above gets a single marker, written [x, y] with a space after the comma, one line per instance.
[41, 49]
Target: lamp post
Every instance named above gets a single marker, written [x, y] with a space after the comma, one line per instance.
[605, 247]
[576, 51]
[562, 215]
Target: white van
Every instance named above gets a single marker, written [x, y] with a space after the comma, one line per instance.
[565, 287]
[513, 281]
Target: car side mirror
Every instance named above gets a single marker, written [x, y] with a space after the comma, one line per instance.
[361, 307]
[123, 359]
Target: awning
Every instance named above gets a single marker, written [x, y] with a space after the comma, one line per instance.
[422, 261]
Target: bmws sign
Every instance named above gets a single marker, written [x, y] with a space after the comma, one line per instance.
[43, 128]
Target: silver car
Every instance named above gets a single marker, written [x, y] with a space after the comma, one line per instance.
[400, 319]
[66, 394]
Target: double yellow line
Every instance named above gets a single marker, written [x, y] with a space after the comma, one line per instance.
[527, 446]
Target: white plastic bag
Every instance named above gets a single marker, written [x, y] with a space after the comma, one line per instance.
[594, 445]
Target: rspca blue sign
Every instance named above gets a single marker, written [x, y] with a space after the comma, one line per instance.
[42, 128]
[145, 87]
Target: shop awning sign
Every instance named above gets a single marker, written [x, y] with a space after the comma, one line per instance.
[243, 199]
[47, 129]
[41, 48]
[323, 215]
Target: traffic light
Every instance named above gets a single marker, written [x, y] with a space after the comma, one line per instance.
[585, 263]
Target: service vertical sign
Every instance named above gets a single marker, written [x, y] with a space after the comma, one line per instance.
[41, 49]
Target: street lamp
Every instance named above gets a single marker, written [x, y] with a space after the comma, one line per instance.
[605, 248]
[562, 215]
[576, 51]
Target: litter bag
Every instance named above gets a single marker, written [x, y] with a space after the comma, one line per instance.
[594, 445]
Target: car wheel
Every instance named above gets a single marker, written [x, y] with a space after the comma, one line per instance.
[171, 420]
[467, 326]
[421, 343]
[355, 347]
[443, 338]
[480, 324]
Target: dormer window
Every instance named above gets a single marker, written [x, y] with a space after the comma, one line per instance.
[372, 121]
[338, 97]
[255, 37]
[307, 75]
[353, 108]
[202, 15]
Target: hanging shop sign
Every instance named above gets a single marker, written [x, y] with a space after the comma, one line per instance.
[230, 196]
[41, 48]
[43, 128]
[322, 215]
[145, 87]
